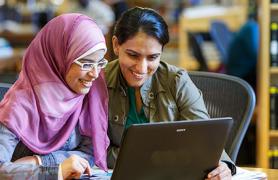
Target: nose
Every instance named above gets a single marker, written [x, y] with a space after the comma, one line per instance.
[94, 72]
[142, 66]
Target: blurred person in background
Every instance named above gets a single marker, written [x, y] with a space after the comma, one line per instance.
[118, 6]
[243, 49]
[98, 10]
[9, 11]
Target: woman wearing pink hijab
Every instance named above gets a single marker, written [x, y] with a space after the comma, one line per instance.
[58, 106]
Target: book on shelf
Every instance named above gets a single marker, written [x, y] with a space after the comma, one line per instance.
[273, 91]
[273, 157]
[274, 43]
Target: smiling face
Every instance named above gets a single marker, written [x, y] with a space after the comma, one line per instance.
[139, 58]
[80, 81]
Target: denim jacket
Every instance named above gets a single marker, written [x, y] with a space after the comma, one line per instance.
[168, 95]
[12, 149]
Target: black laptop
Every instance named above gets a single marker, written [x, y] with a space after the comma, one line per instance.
[172, 150]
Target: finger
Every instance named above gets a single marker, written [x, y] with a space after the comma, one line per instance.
[221, 167]
[214, 173]
[221, 172]
[81, 165]
[78, 170]
[88, 168]
[219, 178]
[75, 175]
[213, 178]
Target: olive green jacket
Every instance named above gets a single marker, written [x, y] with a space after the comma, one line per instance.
[169, 95]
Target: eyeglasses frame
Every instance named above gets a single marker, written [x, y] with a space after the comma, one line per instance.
[92, 65]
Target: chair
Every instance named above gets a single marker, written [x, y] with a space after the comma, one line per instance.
[196, 41]
[227, 96]
[8, 77]
[4, 87]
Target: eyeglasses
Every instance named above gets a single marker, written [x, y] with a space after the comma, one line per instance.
[90, 66]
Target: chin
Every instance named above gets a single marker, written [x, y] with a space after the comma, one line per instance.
[84, 91]
[135, 85]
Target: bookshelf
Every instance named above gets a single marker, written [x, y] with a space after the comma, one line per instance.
[266, 76]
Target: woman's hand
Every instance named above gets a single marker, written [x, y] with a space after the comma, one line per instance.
[221, 172]
[74, 167]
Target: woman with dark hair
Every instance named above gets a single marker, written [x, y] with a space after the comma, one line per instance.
[58, 106]
[144, 89]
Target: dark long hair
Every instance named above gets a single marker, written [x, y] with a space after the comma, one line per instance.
[141, 19]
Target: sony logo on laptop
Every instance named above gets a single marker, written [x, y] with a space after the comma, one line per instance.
[181, 130]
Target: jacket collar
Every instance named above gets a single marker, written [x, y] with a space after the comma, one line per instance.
[112, 71]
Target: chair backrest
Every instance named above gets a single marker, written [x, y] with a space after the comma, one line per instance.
[222, 36]
[8, 77]
[196, 41]
[227, 96]
[4, 87]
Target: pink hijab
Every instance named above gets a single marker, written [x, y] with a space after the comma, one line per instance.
[40, 108]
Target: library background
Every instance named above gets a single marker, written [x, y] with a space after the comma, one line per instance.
[236, 37]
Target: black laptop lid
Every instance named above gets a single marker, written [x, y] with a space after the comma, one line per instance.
[172, 150]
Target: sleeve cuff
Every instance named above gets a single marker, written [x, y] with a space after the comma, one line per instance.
[39, 161]
[231, 166]
[48, 160]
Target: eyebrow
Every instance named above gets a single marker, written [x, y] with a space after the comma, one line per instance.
[132, 51]
[90, 60]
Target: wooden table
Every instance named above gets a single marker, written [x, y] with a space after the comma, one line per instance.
[198, 20]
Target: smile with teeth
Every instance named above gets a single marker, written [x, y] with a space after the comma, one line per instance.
[86, 83]
[137, 76]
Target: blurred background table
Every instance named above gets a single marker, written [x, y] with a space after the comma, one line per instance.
[198, 19]
[18, 37]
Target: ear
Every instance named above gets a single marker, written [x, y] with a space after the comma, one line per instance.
[116, 45]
